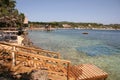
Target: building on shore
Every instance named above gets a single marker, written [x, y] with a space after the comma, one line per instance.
[25, 22]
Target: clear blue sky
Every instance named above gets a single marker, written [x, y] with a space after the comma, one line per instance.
[99, 11]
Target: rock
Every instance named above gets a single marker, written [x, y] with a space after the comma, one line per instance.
[39, 75]
[2, 78]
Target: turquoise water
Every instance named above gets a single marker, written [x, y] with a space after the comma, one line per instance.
[99, 47]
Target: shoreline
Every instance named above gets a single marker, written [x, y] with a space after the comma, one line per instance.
[43, 29]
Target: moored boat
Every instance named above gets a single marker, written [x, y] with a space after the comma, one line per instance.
[85, 33]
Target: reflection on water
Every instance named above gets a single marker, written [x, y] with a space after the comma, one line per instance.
[101, 48]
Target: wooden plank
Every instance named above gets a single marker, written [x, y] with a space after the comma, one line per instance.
[28, 49]
[91, 72]
[57, 62]
[55, 66]
[84, 74]
[98, 71]
[43, 57]
[88, 72]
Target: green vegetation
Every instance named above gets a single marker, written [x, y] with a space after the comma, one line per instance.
[9, 15]
[74, 25]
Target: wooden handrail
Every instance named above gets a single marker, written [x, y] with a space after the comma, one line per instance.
[36, 56]
[44, 59]
[47, 60]
[57, 55]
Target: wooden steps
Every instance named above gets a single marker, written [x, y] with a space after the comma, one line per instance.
[91, 72]
[57, 69]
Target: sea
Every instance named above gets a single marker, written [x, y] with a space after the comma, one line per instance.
[98, 47]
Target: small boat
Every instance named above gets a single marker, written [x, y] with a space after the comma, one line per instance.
[84, 33]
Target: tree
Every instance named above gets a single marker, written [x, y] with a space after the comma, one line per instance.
[9, 16]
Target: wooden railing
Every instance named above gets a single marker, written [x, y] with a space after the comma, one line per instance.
[34, 61]
[25, 61]
[25, 56]
[31, 50]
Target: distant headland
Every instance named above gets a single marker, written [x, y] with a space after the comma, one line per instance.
[72, 25]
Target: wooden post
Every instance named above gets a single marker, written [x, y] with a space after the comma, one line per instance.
[58, 55]
[68, 69]
[13, 56]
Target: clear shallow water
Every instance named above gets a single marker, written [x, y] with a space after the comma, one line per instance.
[99, 47]
[95, 43]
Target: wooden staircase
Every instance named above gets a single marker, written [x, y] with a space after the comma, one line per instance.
[24, 60]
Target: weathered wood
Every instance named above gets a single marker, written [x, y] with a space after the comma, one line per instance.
[13, 57]
[32, 50]
[39, 62]
[27, 61]
[68, 71]
[91, 72]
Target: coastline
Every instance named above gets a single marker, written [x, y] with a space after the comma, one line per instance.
[43, 29]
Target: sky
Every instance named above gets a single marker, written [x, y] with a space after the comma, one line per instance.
[94, 11]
